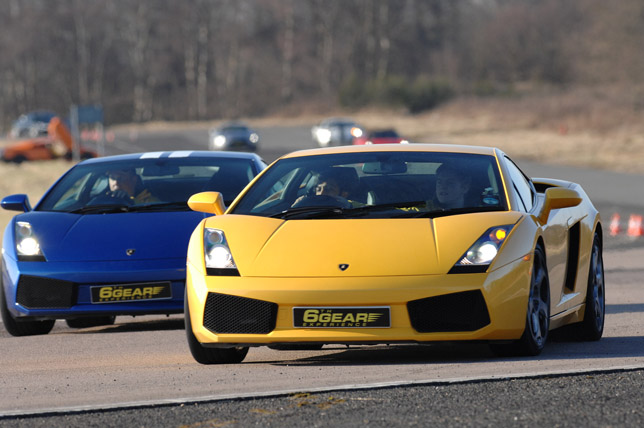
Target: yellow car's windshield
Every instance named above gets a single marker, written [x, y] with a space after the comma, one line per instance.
[376, 185]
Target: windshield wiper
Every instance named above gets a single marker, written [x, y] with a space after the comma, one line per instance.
[334, 211]
[309, 212]
[166, 206]
[384, 207]
[454, 211]
[102, 209]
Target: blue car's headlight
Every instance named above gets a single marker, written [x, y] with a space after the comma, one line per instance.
[219, 259]
[479, 256]
[27, 245]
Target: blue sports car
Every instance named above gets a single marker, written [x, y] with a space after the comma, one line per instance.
[110, 238]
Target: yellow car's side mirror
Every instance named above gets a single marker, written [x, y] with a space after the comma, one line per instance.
[207, 202]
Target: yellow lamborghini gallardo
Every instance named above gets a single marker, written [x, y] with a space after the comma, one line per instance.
[393, 244]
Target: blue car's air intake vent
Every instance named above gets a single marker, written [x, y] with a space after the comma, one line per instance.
[44, 293]
[464, 311]
[238, 315]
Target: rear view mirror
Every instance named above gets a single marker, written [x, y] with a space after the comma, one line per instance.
[159, 170]
[384, 167]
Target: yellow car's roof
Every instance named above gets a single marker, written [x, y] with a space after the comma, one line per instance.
[414, 147]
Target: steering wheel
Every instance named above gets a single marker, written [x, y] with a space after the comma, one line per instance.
[118, 197]
[323, 201]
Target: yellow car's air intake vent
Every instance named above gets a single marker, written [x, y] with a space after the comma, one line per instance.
[238, 315]
[464, 311]
[38, 293]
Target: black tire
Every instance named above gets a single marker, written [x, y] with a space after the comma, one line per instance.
[592, 327]
[204, 355]
[19, 159]
[537, 322]
[90, 321]
[22, 327]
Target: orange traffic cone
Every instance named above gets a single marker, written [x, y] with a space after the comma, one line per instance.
[635, 225]
[614, 227]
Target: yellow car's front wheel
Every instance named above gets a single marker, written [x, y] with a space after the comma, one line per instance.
[537, 323]
[204, 355]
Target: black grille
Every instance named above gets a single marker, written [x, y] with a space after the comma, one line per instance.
[238, 315]
[35, 292]
[464, 311]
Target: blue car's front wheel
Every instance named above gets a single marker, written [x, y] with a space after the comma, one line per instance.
[17, 327]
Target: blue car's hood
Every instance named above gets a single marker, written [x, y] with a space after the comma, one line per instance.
[110, 237]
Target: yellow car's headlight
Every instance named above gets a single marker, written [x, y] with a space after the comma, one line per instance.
[479, 256]
[218, 257]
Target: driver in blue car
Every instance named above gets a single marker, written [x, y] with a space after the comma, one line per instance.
[126, 184]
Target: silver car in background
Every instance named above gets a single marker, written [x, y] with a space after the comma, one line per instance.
[31, 125]
[336, 132]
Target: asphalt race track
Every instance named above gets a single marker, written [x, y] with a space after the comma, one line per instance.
[139, 372]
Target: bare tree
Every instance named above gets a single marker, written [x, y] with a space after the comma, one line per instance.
[137, 36]
[198, 59]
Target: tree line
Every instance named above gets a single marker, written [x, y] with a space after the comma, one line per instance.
[173, 60]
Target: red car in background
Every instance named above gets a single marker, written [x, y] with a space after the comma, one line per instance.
[381, 136]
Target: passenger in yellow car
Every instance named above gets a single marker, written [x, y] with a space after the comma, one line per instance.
[452, 186]
[127, 184]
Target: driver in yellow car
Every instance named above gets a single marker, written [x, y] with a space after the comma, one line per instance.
[329, 184]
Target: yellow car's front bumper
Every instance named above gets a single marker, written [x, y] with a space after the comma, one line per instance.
[503, 296]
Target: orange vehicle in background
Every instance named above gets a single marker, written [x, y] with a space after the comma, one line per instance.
[57, 144]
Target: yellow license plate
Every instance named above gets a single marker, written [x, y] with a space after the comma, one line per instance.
[131, 292]
[342, 317]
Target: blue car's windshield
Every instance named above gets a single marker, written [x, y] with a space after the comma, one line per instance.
[161, 184]
[376, 185]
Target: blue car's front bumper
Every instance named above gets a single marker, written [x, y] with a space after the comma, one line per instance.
[46, 290]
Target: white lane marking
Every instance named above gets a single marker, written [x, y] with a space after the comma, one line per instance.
[181, 154]
[151, 155]
[285, 392]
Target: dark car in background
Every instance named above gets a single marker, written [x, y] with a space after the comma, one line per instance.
[233, 136]
[32, 124]
[336, 132]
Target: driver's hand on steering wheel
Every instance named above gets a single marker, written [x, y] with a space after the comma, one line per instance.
[119, 194]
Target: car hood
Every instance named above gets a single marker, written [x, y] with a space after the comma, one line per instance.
[65, 237]
[370, 247]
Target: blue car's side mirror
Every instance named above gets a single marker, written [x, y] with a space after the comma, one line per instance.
[19, 202]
